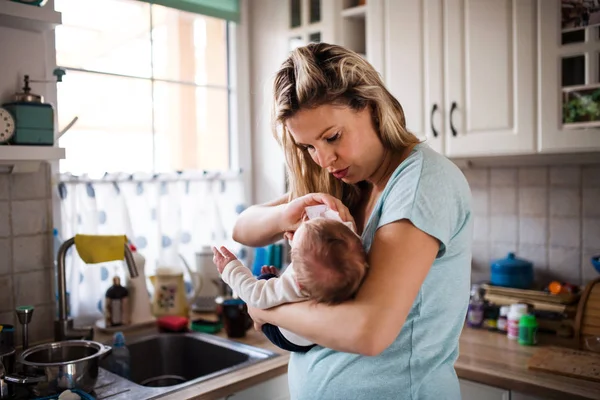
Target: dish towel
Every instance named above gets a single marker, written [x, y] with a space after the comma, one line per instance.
[95, 249]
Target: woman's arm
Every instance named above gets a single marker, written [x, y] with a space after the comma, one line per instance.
[260, 225]
[400, 258]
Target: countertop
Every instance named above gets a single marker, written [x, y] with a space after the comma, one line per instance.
[486, 357]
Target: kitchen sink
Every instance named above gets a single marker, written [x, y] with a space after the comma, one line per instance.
[162, 363]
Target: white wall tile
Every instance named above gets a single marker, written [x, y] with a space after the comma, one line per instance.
[33, 288]
[565, 176]
[503, 177]
[533, 230]
[481, 230]
[533, 176]
[4, 219]
[591, 176]
[30, 217]
[565, 202]
[480, 201]
[481, 257]
[503, 201]
[6, 299]
[477, 177]
[5, 257]
[7, 318]
[501, 250]
[588, 272]
[591, 232]
[533, 201]
[591, 201]
[504, 229]
[4, 187]
[564, 264]
[43, 317]
[29, 186]
[535, 253]
[565, 232]
[31, 253]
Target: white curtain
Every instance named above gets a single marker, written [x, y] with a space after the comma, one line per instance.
[165, 216]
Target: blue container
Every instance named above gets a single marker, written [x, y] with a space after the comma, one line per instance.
[512, 272]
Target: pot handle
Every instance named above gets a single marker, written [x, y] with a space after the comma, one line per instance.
[105, 349]
[24, 379]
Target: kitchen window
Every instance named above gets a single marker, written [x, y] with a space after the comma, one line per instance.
[150, 86]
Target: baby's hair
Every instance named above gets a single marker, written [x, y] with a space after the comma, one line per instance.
[331, 262]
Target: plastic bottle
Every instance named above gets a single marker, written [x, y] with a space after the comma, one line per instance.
[514, 316]
[475, 310]
[502, 320]
[528, 330]
[120, 358]
[140, 306]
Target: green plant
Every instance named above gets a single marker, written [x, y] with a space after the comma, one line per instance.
[582, 107]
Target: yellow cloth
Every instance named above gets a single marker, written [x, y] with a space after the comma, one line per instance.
[94, 249]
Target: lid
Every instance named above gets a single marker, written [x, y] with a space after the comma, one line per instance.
[528, 320]
[511, 261]
[504, 311]
[518, 308]
[119, 339]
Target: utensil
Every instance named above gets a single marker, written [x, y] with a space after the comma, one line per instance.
[25, 313]
[71, 364]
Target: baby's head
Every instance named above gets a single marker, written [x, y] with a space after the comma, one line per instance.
[329, 260]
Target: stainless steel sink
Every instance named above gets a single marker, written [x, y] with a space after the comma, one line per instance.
[163, 363]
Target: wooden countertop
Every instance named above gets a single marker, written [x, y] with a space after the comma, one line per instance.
[486, 357]
[492, 359]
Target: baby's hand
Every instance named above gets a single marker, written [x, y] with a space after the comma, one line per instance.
[222, 257]
[269, 270]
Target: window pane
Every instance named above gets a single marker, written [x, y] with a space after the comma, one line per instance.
[295, 13]
[114, 129]
[189, 47]
[315, 11]
[109, 36]
[315, 37]
[192, 128]
[573, 36]
[573, 71]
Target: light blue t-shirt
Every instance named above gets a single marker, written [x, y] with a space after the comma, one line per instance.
[431, 192]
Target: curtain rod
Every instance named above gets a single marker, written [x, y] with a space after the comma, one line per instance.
[164, 177]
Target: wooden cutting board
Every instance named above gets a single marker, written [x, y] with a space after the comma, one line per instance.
[562, 361]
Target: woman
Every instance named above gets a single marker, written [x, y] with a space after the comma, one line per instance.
[346, 145]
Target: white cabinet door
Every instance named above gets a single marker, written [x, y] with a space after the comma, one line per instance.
[490, 53]
[476, 391]
[520, 396]
[273, 389]
[554, 137]
[413, 65]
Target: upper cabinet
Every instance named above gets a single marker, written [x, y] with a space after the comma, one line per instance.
[568, 81]
[465, 74]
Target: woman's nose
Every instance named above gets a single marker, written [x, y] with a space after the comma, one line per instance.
[326, 159]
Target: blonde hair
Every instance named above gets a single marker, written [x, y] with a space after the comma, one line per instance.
[330, 263]
[320, 74]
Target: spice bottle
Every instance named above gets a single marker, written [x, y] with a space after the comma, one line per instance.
[528, 330]
[116, 304]
[476, 306]
[514, 316]
[502, 321]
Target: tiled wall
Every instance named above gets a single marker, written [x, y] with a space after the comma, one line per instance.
[550, 216]
[26, 267]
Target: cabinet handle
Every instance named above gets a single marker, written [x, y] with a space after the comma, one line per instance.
[433, 110]
[452, 108]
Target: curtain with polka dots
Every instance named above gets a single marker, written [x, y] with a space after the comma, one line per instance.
[167, 217]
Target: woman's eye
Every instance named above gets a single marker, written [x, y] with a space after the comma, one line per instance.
[333, 138]
[308, 147]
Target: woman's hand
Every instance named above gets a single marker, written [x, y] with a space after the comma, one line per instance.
[255, 315]
[293, 213]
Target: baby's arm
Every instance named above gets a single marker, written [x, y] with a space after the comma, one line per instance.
[262, 293]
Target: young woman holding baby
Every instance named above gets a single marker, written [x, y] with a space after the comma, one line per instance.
[346, 146]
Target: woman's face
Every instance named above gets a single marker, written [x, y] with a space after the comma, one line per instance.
[340, 140]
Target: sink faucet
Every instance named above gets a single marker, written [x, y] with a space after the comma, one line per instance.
[63, 327]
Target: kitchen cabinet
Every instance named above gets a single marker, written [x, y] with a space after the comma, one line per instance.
[568, 68]
[465, 73]
[273, 389]
[476, 391]
[521, 396]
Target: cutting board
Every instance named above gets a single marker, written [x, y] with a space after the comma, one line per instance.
[568, 362]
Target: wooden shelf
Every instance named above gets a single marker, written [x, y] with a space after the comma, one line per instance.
[359, 12]
[16, 159]
[28, 17]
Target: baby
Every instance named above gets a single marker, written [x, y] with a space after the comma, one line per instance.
[328, 265]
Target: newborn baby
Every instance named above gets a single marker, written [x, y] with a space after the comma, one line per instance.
[328, 265]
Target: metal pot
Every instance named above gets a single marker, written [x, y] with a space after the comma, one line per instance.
[7, 361]
[58, 366]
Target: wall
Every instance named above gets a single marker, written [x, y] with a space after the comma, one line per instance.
[26, 215]
[26, 267]
[548, 215]
[268, 48]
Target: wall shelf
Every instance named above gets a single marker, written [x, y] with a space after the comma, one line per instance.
[28, 17]
[18, 159]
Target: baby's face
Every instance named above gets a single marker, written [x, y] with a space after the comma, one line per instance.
[300, 234]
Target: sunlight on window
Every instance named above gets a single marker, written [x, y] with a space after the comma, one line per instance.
[149, 85]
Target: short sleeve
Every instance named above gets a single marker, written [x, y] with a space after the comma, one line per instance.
[426, 195]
